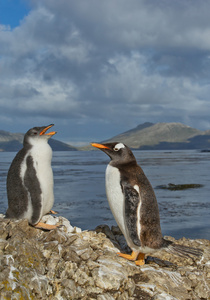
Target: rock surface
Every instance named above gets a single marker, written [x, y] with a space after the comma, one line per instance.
[68, 263]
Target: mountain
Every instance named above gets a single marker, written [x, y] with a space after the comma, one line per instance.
[163, 136]
[147, 136]
[14, 142]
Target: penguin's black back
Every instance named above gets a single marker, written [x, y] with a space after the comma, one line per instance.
[14, 191]
[18, 188]
[151, 236]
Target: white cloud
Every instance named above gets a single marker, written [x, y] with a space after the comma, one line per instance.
[109, 61]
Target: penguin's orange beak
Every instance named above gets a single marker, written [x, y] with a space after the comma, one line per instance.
[49, 133]
[100, 146]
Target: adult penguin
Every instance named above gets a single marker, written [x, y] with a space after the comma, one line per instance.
[30, 179]
[134, 206]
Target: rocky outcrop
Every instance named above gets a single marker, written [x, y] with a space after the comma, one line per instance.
[68, 263]
[179, 187]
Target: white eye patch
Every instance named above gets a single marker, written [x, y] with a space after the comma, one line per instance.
[119, 146]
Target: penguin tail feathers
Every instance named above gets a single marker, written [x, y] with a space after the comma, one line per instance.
[184, 251]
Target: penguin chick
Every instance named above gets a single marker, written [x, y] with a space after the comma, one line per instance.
[134, 206]
[30, 179]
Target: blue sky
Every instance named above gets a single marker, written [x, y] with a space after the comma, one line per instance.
[13, 11]
[98, 68]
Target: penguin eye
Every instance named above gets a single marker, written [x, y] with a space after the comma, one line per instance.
[116, 149]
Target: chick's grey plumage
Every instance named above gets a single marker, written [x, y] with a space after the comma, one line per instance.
[19, 189]
[134, 204]
[25, 188]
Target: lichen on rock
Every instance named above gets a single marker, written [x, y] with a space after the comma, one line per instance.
[68, 263]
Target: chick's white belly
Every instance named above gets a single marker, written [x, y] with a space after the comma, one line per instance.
[115, 196]
[42, 156]
[45, 176]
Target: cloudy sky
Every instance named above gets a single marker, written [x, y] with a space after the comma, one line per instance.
[98, 68]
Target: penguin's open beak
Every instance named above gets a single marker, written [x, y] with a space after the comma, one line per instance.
[49, 133]
[100, 146]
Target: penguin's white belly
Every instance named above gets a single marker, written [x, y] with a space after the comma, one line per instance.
[42, 165]
[115, 196]
[116, 201]
[46, 183]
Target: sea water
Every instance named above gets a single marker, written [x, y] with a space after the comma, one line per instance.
[79, 188]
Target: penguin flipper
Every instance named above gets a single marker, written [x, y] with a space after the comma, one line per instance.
[33, 187]
[132, 202]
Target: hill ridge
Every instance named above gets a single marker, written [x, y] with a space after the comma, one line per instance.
[146, 136]
[163, 135]
[13, 142]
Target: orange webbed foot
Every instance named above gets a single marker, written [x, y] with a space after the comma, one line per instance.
[135, 256]
[132, 256]
[140, 259]
[52, 212]
[45, 226]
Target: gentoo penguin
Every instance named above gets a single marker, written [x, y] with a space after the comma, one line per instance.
[30, 179]
[134, 206]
